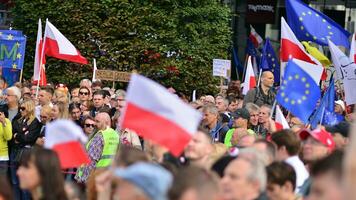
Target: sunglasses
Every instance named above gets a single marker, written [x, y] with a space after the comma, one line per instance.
[22, 108]
[89, 125]
[83, 93]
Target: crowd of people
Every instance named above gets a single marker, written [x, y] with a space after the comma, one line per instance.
[238, 153]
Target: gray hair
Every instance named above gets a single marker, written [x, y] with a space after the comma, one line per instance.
[85, 80]
[16, 90]
[257, 171]
[252, 107]
[211, 108]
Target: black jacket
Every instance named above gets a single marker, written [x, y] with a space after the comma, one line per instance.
[25, 134]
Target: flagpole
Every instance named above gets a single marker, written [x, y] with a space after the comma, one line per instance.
[244, 72]
[41, 58]
[21, 73]
[259, 78]
[322, 115]
[274, 106]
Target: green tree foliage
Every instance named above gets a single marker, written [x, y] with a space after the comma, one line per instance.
[171, 41]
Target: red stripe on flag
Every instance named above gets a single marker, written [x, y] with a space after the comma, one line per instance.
[156, 128]
[71, 154]
[290, 48]
[254, 40]
[252, 82]
[52, 49]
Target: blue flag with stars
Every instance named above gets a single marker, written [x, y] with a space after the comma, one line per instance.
[12, 49]
[269, 61]
[325, 112]
[298, 92]
[309, 24]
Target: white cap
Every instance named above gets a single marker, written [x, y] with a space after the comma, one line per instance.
[341, 103]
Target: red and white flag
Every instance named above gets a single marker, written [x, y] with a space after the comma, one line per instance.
[352, 55]
[58, 46]
[66, 139]
[292, 48]
[39, 73]
[255, 37]
[280, 118]
[250, 77]
[157, 115]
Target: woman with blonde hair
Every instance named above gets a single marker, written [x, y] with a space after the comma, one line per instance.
[60, 96]
[60, 111]
[26, 130]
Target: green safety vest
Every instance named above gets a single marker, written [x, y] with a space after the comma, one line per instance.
[111, 142]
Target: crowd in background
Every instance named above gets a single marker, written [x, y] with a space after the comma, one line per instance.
[238, 153]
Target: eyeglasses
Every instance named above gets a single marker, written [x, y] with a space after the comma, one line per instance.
[83, 93]
[89, 125]
[22, 108]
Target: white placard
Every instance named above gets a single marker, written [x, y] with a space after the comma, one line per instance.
[220, 67]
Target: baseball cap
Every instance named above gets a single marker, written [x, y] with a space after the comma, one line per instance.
[341, 103]
[320, 135]
[241, 112]
[151, 178]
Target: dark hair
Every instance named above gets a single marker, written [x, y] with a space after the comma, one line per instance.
[73, 106]
[204, 182]
[288, 139]
[100, 92]
[5, 109]
[97, 84]
[279, 173]
[128, 155]
[107, 93]
[5, 189]
[271, 148]
[48, 89]
[232, 99]
[86, 88]
[47, 163]
[85, 118]
[331, 163]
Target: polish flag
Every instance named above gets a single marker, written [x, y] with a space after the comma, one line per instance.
[58, 46]
[292, 48]
[352, 55]
[280, 118]
[255, 37]
[66, 139]
[157, 115]
[250, 78]
[39, 73]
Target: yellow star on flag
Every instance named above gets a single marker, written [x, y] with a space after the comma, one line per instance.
[10, 37]
[18, 56]
[14, 66]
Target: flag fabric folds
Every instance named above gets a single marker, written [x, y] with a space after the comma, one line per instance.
[298, 92]
[269, 61]
[345, 70]
[255, 37]
[39, 73]
[280, 118]
[157, 115]
[250, 78]
[58, 46]
[311, 25]
[352, 55]
[326, 105]
[317, 54]
[67, 139]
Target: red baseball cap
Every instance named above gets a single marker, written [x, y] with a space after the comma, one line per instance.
[320, 135]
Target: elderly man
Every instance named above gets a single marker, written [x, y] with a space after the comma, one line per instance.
[263, 94]
[211, 122]
[244, 178]
[13, 96]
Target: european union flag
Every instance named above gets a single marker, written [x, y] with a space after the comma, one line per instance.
[269, 61]
[325, 112]
[12, 51]
[326, 105]
[309, 24]
[298, 92]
